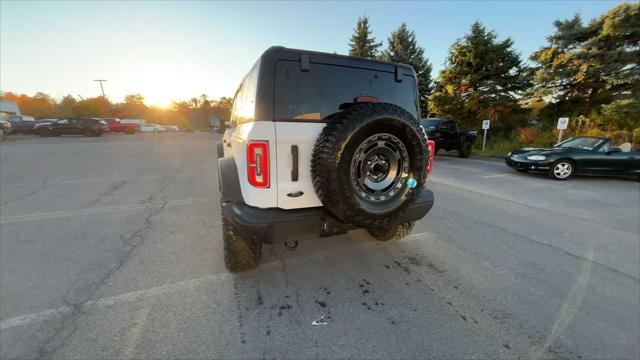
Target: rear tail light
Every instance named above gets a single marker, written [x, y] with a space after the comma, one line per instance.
[432, 151]
[258, 163]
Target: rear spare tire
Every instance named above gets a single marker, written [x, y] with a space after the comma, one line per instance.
[363, 160]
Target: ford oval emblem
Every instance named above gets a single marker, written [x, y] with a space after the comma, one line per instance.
[295, 194]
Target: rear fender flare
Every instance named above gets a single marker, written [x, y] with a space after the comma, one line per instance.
[228, 181]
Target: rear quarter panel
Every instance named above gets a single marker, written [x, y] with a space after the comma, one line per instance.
[239, 136]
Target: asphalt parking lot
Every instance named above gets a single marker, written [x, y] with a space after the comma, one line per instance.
[111, 247]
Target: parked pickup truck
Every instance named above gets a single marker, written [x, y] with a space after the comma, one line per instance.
[115, 125]
[447, 136]
[22, 124]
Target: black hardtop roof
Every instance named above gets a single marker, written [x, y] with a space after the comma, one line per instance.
[275, 53]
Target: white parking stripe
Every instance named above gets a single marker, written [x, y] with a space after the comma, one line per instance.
[101, 210]
[111, 301]
[180, 287]
[79, 181]
[497, 175]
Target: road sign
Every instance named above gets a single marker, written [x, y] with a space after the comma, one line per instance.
[562, 126]
[485, 126]
[563, 123]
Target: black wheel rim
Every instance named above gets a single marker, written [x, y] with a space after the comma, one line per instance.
[380, 167]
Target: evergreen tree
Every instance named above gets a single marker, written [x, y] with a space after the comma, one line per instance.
[362, 44]
[403, 48]
[593, 70]
[483, 78]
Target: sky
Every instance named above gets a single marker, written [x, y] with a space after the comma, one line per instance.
[177, 50]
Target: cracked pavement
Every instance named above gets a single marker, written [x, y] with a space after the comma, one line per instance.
[111, 248]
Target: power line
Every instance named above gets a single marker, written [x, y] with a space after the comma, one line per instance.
[101, 87]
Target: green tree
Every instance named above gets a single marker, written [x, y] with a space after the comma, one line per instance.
[402, 48]
[132, 107]
[483, 78]
[65, 107]
[93, 107]
[593, 70]
[362, 44]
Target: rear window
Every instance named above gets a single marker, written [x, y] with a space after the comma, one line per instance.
[319, 92]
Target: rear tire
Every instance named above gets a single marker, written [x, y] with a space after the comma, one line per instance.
[522, 170]
[394, 232]
[240, 253]
[464, 151]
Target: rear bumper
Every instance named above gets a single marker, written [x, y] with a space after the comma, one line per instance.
[279, 226]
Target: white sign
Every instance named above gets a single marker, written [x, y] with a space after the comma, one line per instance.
[486, 124]
[563, 123]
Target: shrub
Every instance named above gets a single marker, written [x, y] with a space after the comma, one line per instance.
[527, 135]
[620, 137]
[636, 138]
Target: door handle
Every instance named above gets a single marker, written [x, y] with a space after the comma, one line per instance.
[294, 170]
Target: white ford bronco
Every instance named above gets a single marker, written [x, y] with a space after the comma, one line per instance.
[317, 145]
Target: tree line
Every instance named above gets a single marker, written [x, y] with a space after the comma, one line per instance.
[190, 114]
[589, 72]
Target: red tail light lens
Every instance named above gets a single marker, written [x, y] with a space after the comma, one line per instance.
[258, 163]
[432, 151]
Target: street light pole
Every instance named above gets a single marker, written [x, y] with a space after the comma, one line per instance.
[101, 87]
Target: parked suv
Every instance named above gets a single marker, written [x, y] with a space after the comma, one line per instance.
[317, 145]
[74, 126]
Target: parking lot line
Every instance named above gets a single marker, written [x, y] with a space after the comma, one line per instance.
[177, 287]
[464, 168]
[497, 175]
[101, 210]
[79, 181]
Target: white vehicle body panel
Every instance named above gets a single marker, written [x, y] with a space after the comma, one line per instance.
[238, 137]
[304, 135]
[151, 128]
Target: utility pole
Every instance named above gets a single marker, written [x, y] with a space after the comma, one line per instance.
[101, 87]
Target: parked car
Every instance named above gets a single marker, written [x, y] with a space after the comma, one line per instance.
[74, 126]
[447, 136]
[172, 128]
[22, 124]
[579, 155]
[115, 125]
[306, 155]
[155, 128]
[5, 129]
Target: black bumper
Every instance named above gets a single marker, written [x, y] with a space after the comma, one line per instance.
[279, 226]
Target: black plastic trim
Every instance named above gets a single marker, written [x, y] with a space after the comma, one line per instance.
[230, 190]
[278, 226]
[219, 149]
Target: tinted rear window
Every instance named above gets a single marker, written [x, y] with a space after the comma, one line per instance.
[319, 92]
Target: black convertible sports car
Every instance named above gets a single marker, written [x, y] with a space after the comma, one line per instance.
[579, 155]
